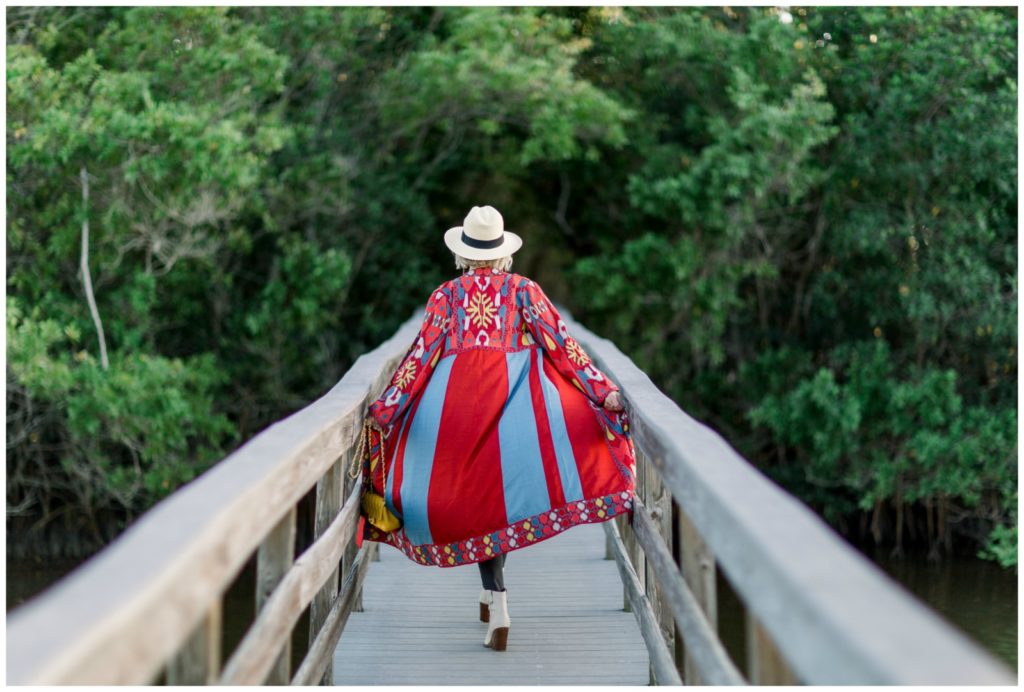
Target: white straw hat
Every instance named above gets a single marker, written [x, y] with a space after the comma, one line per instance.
[482, 236]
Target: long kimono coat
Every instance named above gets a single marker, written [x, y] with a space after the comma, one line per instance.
[495, 434]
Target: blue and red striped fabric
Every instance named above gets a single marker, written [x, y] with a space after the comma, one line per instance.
[495, 433]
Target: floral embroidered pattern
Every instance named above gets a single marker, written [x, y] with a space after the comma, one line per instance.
[576, 353]
[548, 329]
[406, 373]
[481, 310]
[493, 310]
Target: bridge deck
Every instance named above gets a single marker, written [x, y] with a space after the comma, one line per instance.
[567, 623]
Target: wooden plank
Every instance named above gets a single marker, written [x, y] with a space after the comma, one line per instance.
[622, 525]
[837, 617]
[698, 569]
[659, 501]
[636, 554]
[351, 549]
[251, 662]
[198, 662]
[662, 665]
[420, 624]
[274, 558]
[328, 502]
[118, 617]
[703, 644]
[639, 559]
[764, 660]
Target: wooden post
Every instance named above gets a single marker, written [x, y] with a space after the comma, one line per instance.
[624, 532]
[198, 661]
[660, 507]
[636, 550]
[276, 554]
[633, 550]
[351, 550]
[765, 663]
[698, 567]
[636, 553]
[328, 501]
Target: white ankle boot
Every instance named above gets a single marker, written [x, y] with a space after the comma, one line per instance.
[486, 598]
[498, 621]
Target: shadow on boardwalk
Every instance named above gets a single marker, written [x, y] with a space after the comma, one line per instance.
[420, 625]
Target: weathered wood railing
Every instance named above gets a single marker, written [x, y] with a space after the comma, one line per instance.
[149, 606]
[817, 612]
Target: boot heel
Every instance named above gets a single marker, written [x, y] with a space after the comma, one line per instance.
[485, 613]
[498, 621]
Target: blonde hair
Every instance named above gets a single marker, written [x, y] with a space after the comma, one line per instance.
[501, 263]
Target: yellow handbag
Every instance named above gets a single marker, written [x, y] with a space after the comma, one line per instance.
[373, 505]
[377, 512]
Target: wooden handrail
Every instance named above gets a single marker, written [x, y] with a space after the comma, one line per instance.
[834, 616]
[123, 614]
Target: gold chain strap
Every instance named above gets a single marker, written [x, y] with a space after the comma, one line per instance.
[359, 452]
[374, 506]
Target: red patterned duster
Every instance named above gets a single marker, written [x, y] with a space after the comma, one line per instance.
[495, 433]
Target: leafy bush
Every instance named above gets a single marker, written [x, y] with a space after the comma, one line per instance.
[805, 232]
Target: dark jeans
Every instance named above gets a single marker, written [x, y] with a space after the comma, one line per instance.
[491, 573]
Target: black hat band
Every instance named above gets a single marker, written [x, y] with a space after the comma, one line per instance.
[482, 244]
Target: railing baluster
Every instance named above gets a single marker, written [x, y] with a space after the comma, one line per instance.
[198, 661]
[702, 641]
[638, 558]
[328, 502]
[764, 660]
[276, 555]
[334, 625]
[698, 568]
[662, 667]
[351, 550]
[662, 513]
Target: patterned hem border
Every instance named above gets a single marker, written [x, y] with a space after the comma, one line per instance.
[520, 534]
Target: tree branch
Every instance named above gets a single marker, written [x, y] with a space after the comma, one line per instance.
[86, 276]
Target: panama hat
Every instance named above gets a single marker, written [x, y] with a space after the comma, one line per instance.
[482, 236]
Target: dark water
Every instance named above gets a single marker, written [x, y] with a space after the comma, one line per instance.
[978, 597]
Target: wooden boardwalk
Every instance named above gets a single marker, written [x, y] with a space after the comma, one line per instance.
[567, 623]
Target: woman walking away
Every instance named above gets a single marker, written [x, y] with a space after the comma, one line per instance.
[497, 430]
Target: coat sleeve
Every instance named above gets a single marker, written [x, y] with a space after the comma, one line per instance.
[414, 371]
[545, 325]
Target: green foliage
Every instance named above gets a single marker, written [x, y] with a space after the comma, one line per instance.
[818, 246]
[1002, 545]
[499, 70]
[804, 232]
[127, 436]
